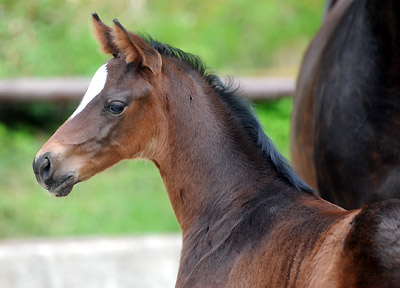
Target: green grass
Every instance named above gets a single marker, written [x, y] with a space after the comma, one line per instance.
[128, 198]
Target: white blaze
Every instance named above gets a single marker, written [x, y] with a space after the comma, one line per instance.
[95, 87]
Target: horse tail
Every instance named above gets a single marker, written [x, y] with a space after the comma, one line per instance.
[372, 247]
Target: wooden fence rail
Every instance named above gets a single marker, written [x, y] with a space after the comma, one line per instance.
[72, 89]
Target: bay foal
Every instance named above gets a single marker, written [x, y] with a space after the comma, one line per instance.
[247, 219]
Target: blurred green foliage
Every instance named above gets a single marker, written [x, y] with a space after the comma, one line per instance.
[53, 38]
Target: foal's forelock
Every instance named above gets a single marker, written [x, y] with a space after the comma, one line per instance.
[95, 87]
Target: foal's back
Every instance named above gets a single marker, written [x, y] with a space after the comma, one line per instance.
[317, 244]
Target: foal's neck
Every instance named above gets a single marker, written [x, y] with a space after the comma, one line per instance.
[210, 166]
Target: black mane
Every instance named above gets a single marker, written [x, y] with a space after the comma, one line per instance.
[242, 109]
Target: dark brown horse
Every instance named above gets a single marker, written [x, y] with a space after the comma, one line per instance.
[346, 117]
[247, 219]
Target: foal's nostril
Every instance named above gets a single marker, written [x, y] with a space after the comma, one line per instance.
[44, 169]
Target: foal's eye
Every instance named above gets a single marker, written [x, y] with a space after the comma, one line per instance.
[115, 107]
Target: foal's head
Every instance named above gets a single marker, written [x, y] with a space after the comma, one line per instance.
[119, 117]
[127, 113]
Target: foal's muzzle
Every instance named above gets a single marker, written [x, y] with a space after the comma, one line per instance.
[44, 168]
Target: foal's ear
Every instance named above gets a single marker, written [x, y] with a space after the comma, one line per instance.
[136, 50]
[103, 34]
